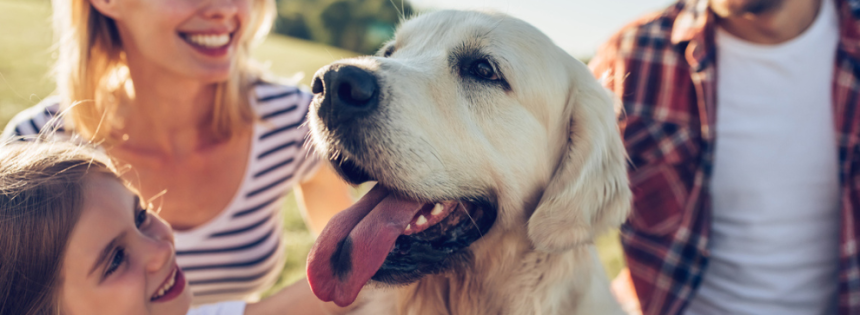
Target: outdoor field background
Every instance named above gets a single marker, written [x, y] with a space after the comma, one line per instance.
[26, 56]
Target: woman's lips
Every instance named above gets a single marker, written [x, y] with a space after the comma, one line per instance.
[171, 287]
[210, 44]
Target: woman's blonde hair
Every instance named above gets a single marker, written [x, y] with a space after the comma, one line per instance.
[41, 200]
[91, 70]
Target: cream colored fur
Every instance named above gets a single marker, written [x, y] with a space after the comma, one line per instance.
[547, 149]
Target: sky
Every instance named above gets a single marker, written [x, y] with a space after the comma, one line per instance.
[578, 26]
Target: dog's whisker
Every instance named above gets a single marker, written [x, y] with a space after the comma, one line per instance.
[433, 152]
[400, 11]
[473, 222]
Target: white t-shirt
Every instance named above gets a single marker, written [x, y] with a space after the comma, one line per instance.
[226, 308]
[775, 187]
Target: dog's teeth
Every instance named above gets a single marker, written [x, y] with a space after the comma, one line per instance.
[421, 220]
[437, 209]
[409, 226]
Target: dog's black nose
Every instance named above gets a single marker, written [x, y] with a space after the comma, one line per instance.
[347, 92]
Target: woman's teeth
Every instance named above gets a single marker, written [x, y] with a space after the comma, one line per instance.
[209, 40]
[167, 286]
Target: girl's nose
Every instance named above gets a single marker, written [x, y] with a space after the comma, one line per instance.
[158, 245]
[221, 9]
[158, 254]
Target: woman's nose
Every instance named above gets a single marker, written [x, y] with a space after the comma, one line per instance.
[221, 9]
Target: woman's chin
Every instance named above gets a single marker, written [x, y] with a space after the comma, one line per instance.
[206, 72]
[213, 74]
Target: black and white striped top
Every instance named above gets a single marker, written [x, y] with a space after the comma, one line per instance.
[239, 253]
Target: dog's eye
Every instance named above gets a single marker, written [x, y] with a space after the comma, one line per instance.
[388, 51]
[484, 70]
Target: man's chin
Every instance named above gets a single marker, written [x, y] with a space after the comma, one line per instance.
[741, 8]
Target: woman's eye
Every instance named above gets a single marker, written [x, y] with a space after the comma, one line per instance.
[141, 218]
[484, 70]
[115, 261]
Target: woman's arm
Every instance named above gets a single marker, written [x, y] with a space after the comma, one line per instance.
[625, 293]
[321, 197]
[296, 299]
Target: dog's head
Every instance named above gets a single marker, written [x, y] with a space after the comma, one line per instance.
[473, 124]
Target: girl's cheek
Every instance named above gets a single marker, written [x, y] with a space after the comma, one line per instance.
[125, 291]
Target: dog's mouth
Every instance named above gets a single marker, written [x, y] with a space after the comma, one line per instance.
[350, 171]
[390, 238]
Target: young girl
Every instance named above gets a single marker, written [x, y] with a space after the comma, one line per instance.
[76, 240]
[167, 87]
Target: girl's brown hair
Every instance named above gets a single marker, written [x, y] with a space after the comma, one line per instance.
[41, 198]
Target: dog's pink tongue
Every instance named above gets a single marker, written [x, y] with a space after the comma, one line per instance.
[354, 244]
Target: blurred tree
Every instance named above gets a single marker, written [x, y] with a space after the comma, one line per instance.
[358, 25]
[293, 26]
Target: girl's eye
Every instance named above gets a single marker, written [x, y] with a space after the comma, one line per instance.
[141, 218]
[115, 261]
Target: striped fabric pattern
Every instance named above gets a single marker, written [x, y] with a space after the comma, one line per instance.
[30, 122]
[663, 68]
[239, 253]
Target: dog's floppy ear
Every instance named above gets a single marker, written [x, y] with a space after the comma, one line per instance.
[589, 190]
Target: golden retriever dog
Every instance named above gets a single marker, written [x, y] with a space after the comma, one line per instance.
[497, 160]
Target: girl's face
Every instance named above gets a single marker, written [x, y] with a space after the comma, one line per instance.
[120, 258]
[196, 39]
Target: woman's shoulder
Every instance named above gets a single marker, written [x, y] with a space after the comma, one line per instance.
[275, 101]
[270, 91]
[43, 117]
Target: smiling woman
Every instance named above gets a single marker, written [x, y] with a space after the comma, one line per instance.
[168, 87]
[101, 40]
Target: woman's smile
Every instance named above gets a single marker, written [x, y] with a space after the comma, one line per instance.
[210, 44]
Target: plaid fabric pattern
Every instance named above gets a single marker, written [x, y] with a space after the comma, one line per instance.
[662, 66]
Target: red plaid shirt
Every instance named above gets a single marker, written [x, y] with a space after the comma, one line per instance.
[663, 68]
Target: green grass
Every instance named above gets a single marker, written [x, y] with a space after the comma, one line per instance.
[25, 56]
[25, 61]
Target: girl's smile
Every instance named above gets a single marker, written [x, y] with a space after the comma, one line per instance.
[120, 258]
[173, 286]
